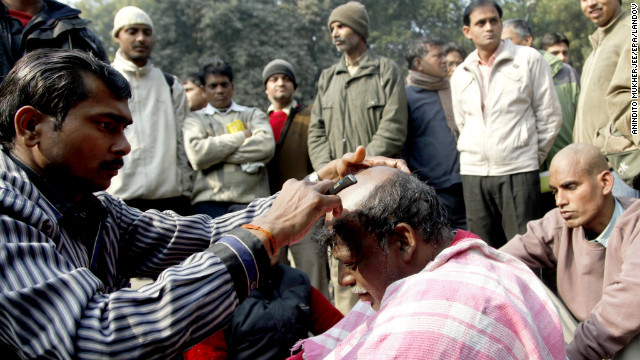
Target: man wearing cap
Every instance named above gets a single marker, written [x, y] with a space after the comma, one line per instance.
[156, 174]
[26, 25]
[360, 101]
[289, 121]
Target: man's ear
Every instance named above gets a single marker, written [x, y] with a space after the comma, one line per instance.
[406, 238]
[465, 31]
[528, 40]
[606, 179]
[416, 62]
[28, 123]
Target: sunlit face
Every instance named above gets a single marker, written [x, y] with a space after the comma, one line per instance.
[601, 12]
[579, 195]
[345, 38]
[560, 50]
[195, 96]
[364, 267]
[136, 42]
[279, 89]
[485, 28]
[453, 59]
[218, 90]
[433, 63]
[89, 148]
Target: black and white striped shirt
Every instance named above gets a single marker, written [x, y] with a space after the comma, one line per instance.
[52, 305]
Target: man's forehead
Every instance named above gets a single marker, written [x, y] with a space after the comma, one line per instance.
[368, 180]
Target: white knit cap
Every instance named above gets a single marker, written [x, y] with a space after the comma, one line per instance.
[130, 15]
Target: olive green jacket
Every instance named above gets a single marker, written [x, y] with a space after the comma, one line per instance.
[368, 108]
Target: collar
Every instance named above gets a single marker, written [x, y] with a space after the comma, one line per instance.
[129, 66]
[287, 109]
[59, 201]
[598, 36]
[210, 110]
[603, 238]
[367, 59]
[494, 56]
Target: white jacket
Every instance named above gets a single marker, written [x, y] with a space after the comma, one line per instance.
[157, 166]
[523, 114]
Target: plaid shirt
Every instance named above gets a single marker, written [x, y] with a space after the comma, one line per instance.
[471, 302]
[60, 299]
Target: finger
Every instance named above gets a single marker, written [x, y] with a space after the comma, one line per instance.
[322, 186]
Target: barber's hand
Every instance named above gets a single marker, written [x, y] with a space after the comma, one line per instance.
[298, 206]
[353, 162]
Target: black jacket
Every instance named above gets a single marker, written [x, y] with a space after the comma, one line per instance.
[56, 26]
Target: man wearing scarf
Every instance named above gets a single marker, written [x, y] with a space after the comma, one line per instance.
[430, 148]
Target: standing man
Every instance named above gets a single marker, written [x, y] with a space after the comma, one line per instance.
[454, 56]
[195, 92]
[508, 115]
[603, 116]
[156, 174]
[289, 121]
[228, 146]
[565, 80]
[33, 24]
[430, 149]
[360, 101]
[557, 45]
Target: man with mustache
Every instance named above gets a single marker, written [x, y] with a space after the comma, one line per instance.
[508, 114]
[590, 240]
[66, 254]
[360, 101]
[425, 291]
[156, 174]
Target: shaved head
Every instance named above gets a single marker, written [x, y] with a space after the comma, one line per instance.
[584, 157]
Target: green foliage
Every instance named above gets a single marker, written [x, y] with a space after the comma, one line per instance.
[250, 33]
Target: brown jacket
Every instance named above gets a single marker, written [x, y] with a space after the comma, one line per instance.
[291, 159]
[599, 285]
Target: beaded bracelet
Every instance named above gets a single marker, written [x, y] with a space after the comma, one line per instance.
[267, 233]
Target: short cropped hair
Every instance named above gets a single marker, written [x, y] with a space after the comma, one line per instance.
[194, 78]
[466, 15]
[551, 39]
[215, 66]
[419, 48]
[520, 27]
[453, 47]
[52, 81]
[402, 198]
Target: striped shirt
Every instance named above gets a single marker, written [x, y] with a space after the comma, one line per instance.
[470, 302]
[60, 301]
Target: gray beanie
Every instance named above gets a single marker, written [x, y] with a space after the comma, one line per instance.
[354, 15]
[279, 66]
[130, 15]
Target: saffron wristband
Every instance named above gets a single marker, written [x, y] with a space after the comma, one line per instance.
[267, 233]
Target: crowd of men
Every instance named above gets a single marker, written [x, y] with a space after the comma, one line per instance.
[121, 171]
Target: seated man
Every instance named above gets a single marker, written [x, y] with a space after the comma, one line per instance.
[423, 290]
[66, 254]
[590, 241]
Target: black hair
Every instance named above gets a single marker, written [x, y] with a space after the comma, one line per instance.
[215, 66]
[194, 77]
[52, 81]
[402, 198]
[475, 4]
[418, 48]
[551, 39]
[451, 47]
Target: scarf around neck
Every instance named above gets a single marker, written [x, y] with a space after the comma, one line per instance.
[441, 85]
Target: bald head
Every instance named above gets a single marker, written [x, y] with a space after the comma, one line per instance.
[582, 157]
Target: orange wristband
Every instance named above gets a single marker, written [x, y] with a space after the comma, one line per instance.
[267, 233]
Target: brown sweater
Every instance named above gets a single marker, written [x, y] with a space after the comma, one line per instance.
[291, 159]
[601, 286]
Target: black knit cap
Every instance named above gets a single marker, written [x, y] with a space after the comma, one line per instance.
[279, 66]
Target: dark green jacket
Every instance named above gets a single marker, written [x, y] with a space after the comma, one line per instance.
[567, 83]
[368, 108]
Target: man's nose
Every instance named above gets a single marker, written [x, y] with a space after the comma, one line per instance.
[561, 199]
[121, 145]
[334, 32]
[345, 276]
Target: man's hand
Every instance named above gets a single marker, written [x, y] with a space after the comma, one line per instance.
[353, 162]
[298, 206]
